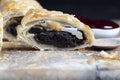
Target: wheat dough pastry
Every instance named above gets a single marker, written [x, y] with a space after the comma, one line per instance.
[4, 2]
[1, 31]
[54, 30]
[13, 13]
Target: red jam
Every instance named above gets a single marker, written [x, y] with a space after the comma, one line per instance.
[100, 23]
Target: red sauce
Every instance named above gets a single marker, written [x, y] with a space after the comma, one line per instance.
[99, 23]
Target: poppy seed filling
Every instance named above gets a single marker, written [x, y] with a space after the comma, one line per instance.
[60, 39]
[11, 27]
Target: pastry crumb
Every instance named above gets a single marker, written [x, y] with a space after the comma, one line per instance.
[109, 56]
[4, 58]
[32, 65]
[91, 61]
[81, 62]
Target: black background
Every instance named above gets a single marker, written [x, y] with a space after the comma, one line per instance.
[108, 9]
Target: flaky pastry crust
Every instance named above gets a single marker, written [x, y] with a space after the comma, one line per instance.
[15, 8]
[1, 31]
[35, 15]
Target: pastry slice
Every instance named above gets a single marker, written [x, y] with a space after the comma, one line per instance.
[1, 31]
[54, 30]
[13, 13]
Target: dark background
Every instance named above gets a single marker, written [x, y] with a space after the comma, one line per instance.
[108, 9]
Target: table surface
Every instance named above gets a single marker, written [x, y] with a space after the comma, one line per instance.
[19, 61]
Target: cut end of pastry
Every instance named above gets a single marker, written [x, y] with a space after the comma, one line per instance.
[12, 24]
[13, 12]
[54, 30]
[10, 31]
[64, 38]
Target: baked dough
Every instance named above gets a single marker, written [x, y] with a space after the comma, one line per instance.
[54, 30]
[4, 2]
[1, 31]
[13, 12]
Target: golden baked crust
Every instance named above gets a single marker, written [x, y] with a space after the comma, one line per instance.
[35, 15]
[1, 31]
[19, 7]
[5, 2]
[15, 8]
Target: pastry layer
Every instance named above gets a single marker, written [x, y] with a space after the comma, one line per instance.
[1, 31]
[13, 12]
[13, 23]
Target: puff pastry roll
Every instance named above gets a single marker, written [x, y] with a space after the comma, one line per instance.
[13, 13]
[54, 30]
[1, 31]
